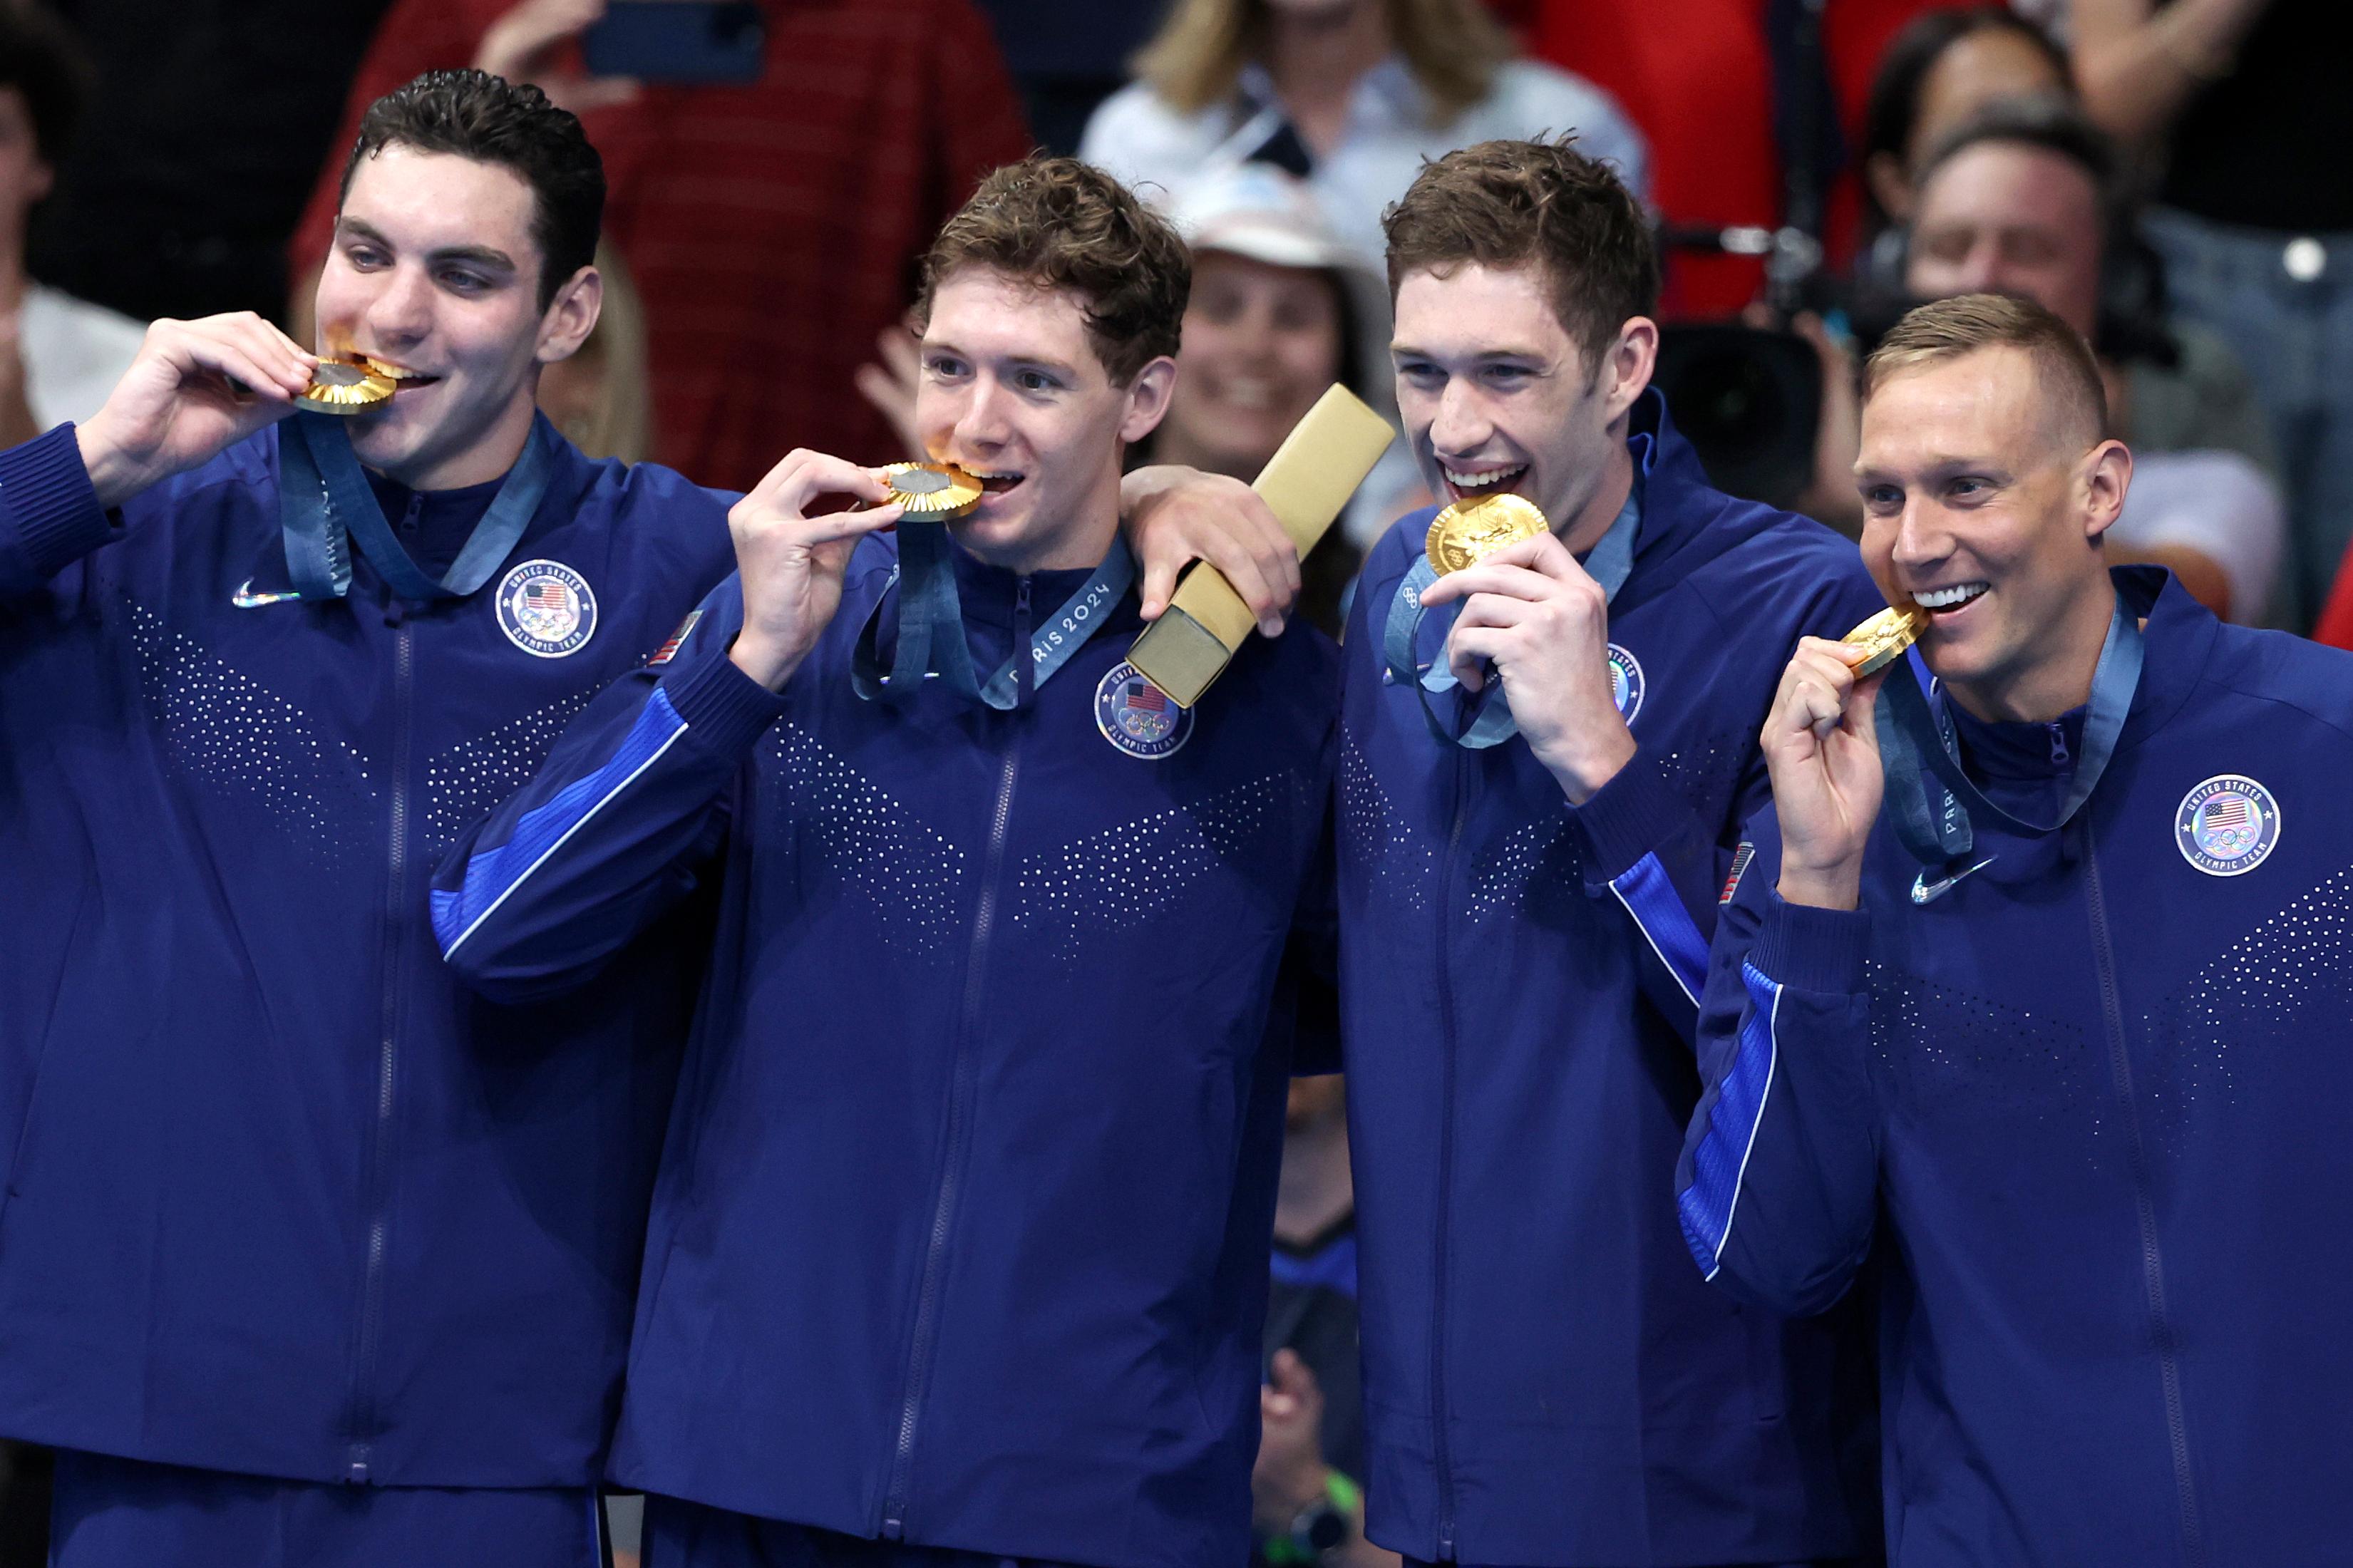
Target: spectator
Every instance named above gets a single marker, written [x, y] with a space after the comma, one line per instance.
[59, 356]
[211, 121]
[1351, 95]
[1311, 1453]
[1068, 57]
[771, 227]
[2022, 200]
[1937, 73]
[2254, 216]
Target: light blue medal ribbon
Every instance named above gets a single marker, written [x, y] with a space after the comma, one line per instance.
[931, 638]
[1934, 800]
[324, 502]
[1608, 562]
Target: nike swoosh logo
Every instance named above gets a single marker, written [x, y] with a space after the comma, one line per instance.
[244, 598]
[1924, 891]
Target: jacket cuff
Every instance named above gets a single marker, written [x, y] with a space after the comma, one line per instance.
[724, 709]
[1811, 949]
[46, 493]
[1632, 815]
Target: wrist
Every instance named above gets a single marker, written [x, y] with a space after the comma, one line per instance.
[113, 474]
[1582, 769]
[1834, 887]
[764, 661]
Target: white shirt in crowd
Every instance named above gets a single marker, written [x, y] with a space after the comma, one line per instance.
[1136, 136]
[73, 352]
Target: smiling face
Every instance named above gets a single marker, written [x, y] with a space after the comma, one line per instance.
[1012, 389]
[434, 267]
[1496, 395]
[1262, 342]
[2003, 217]
[1984, 507]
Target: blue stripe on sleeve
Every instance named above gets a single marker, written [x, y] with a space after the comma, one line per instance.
[1649, 898]
[1722, 1157]
[492, 874]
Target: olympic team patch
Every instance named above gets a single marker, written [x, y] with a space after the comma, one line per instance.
[1625, 682]
[1138, 717]
[546, 609]
[2227, 826]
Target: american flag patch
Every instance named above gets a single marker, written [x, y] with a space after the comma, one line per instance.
[1144, 695]
[1740, 858]
[2226, 811]
[668, 650]
[545, 593]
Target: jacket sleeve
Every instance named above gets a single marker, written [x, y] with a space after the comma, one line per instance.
[50, 515]
[619, 824]
[1777, 1185]
[1649, 850]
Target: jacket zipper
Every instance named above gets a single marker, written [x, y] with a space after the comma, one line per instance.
[1440, 1457]
[2193, 1545]
[376, 1193]
[966, 1070]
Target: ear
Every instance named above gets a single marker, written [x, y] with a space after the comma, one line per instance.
[2106, 476]
[570, 316]
[1148, 399]
[1884, 173]
[1626, 368]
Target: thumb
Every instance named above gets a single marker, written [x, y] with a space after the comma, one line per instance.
[1291, 1374]
[1159, 582]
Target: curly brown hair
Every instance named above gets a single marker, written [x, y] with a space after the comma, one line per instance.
[1507, 203]
[1064, 224]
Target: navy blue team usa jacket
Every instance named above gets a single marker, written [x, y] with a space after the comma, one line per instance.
[2094, 1094]
[282, 1195]
[962, 1226]
[1548, 1379]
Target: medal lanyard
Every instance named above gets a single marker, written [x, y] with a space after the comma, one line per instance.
[324, 500]
[931, 626]
[1934, 802]
[1609, 563]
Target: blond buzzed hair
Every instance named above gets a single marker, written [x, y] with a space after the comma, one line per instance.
[2067, 373]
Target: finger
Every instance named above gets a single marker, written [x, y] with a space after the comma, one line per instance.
[1467, 647]
[1290, 1373]
[1543, 553]
[1492, 576]
[1862, 704]
[823, 475]
[1159, 582]
[1494, 610]
[900, 354]
[1265, 597]
[828, 528]
[601, 92]
[250, 357]
[1257, 557]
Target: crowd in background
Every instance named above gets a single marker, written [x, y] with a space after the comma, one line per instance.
[2153, 171]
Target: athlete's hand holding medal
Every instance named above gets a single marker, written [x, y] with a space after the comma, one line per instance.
[1821, 748]
[1540, 620]
[194, 388]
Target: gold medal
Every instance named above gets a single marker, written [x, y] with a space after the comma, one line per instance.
[1884, 638]
[338, 387]
[1469, 530]
[933, 492]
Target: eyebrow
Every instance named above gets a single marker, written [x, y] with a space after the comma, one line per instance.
[489, 258]
[1938, 468]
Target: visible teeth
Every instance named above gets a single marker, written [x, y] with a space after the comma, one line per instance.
[1945, 598]
[1483, 481]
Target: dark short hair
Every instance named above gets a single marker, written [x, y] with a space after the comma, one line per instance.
[1513, 204]
[1948, 328]
[40, 60]
[1893, 109]
[1061, 223]
[2055, 125]
[475, 115]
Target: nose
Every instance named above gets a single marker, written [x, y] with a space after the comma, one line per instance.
[982, 426]
[1462, 426]
[400, 313]
[1922, 542]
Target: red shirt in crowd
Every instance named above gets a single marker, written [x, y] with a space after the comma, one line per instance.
[772, 229]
